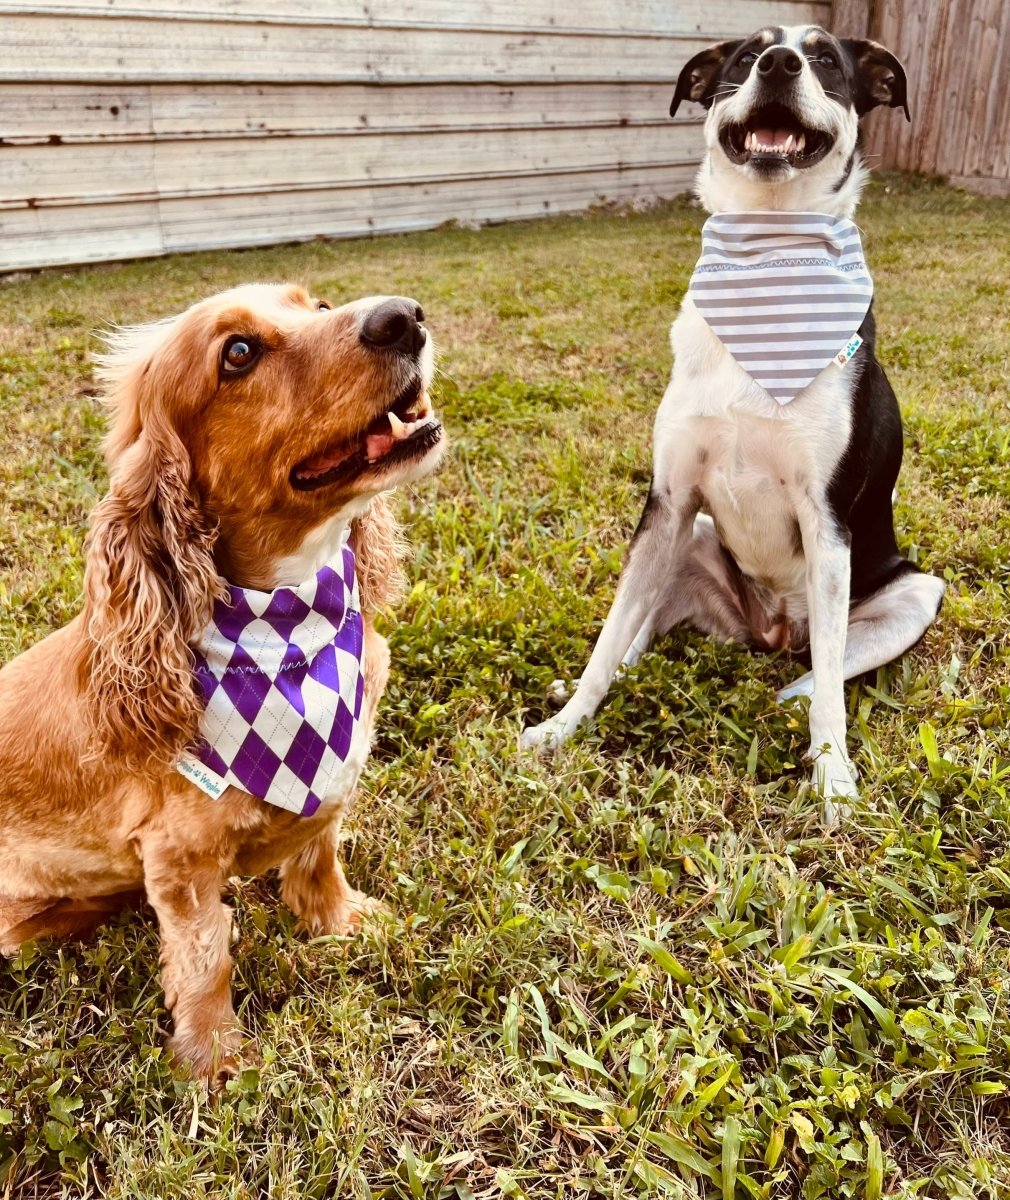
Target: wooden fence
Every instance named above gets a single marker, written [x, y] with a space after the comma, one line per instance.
[139, 127]
[957, 55]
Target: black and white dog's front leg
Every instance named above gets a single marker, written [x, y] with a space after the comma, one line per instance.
[647, 576]
[828, 574]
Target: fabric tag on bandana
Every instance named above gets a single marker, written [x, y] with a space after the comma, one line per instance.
[283, 681]
[782, 291]
[844, 355]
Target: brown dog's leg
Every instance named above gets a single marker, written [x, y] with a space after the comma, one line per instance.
[15, 915]
[66, 918]
[185, 892]
[316, 890]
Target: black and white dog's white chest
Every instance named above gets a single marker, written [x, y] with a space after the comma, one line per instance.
[756, 463]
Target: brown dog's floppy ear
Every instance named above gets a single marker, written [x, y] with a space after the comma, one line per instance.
[149, 583]
[698, 78]
[379, 549]
[879, 77]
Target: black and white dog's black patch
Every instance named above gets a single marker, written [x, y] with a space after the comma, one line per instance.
[769, 520]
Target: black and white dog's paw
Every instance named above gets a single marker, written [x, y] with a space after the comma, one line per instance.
[804, 686]
[549, 735]
[834, 780]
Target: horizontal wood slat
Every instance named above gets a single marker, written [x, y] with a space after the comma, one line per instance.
[112, 112]
[650, 17]
[39, 236]
[129, 49]
[143, 170]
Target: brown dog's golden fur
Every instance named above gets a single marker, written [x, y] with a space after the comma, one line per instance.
[94, 718]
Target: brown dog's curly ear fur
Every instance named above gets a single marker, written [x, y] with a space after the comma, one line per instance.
[149, 583]
[379, 550]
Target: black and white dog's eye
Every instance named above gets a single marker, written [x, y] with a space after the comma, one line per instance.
[827, 59]
[747, 60]
[239, 354]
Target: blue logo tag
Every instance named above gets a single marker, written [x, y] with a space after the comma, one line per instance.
[847, 351]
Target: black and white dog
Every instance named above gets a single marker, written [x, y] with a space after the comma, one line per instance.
[770, 522]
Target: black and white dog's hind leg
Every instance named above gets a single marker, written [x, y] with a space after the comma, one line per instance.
[883, 627]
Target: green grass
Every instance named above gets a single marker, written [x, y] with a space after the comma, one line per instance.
[643, 969]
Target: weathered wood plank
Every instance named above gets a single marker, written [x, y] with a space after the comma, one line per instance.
[261, 220]
[940, 107]
[95, 112]
[984, 185]
[958, 60]
[91, 233]
[129, 49]
[630, 16]
[68, 111]
[850, 18]
[998, 152]
[41, 237]
[94, 172]
[983, 113]
[967, 19]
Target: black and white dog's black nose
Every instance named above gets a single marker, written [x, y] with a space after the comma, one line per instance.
[395, 324]
[779, 64]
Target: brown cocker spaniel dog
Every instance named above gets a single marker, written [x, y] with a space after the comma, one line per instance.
[250, 436]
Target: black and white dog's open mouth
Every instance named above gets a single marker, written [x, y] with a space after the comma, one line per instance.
[774, 135]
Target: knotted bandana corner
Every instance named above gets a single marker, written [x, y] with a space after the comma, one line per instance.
[785, 292]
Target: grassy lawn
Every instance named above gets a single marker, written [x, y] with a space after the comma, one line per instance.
[642, 969]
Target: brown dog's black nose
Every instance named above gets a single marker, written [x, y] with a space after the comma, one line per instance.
[779, 63]
[395, 325]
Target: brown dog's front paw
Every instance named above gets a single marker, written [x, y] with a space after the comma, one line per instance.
[348, 913]
[211, 1060]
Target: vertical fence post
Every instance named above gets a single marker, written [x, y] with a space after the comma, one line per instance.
[851, 18]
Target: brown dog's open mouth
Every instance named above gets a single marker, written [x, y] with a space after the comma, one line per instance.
[774, 136]
[407, 431]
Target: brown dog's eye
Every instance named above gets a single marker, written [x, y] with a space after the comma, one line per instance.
[322, 306]
[239, 354]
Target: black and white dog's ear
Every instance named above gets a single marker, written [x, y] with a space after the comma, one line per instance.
[699, 77]
[878, 76]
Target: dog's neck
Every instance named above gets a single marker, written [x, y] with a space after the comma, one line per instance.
[251, 558]
[319, 546]
[722, 187]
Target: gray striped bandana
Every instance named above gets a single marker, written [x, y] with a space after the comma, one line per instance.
[785, 292]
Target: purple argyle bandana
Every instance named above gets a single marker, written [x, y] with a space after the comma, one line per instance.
[282, 676]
